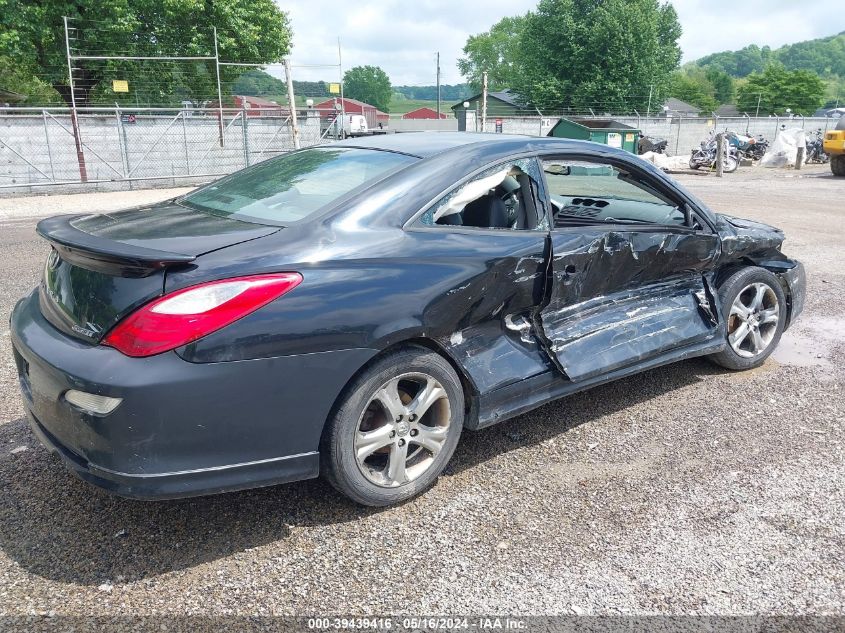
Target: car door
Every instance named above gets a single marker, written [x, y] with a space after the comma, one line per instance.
[489, 236]
[628, 273]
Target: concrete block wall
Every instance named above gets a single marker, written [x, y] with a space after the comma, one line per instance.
[35, 148]
[163, 149]
[684, 134]
[423, 125]
[532, 126]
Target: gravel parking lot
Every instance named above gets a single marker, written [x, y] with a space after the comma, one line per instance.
[683, 490]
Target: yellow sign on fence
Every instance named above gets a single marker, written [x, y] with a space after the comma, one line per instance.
[334, 89]
[120, 85]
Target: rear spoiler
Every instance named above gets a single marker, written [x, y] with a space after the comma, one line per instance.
[101, 254]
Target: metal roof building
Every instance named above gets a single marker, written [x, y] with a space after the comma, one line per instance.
[423, 113]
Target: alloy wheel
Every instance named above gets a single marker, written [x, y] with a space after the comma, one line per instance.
[753, 320]
[402, 429]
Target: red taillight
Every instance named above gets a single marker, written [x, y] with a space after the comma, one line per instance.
[186, 315]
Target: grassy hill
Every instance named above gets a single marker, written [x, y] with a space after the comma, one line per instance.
[824, 56]
[401, 106]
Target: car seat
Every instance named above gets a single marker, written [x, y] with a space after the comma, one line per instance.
[487, 212]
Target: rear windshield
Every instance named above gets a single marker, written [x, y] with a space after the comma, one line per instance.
[289, 188]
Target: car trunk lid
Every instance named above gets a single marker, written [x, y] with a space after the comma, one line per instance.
[102, 267]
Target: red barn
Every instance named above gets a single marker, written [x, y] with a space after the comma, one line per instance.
[373, 115]
[423, 113]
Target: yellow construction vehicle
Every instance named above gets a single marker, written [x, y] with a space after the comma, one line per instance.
[834, 146]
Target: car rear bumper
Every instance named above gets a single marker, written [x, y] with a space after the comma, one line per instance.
[188, 483]
[182, 428]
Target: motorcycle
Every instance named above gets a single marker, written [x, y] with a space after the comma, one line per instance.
[705, 156]
[651, 144]
[748, 146]
[815, 149]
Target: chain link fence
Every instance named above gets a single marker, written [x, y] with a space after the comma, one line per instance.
[124, 148]
[153, 146]
[681, 133]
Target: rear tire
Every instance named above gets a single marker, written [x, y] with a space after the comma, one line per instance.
[754, 312]
[730, 164]
[693, 164]
[395, 430]
[837, 164]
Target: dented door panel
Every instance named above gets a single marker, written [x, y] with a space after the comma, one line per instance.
[495, 356]
[483, 318]
[633, 326]
[619, 297]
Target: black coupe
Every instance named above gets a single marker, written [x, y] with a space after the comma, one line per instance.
[349, 309]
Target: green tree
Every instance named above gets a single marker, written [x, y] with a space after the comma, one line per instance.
[369, 84]
[23, 81]
[319, 89]
[724, 90]
[258, 83]
[835, 92]
[448, 92]
[777, 89]
[495, 51]
[706, 88]
[692, 86]
[608, 56]
[824, 56]
[248, 31]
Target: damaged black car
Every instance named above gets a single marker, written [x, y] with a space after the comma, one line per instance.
[348, 310]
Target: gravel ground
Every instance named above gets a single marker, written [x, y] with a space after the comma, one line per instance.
[682, 490]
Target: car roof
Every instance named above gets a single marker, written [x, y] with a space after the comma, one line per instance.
[427, 144]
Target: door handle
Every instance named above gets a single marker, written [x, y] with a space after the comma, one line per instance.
[569, 273]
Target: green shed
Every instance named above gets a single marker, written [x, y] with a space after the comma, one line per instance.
[605, 131]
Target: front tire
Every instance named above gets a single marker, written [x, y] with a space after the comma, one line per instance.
[837, 164]
[396, 428]
[730, 164]
[754, 312]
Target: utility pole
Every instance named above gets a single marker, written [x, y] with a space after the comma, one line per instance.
[484, 101]
[219, 90]
[648, 108]
[80, 155]
[720, 153]
[340, 76]
[292, 104]
[759, 97]
[438, 84]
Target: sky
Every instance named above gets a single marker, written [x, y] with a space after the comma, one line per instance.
[402, 36]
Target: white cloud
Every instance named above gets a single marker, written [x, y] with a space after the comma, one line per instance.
[719, 25]
[402, 36]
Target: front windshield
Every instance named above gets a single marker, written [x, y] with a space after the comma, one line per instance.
[291, 187]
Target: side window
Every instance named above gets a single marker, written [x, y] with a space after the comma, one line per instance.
[587, 192]
[504, 196]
